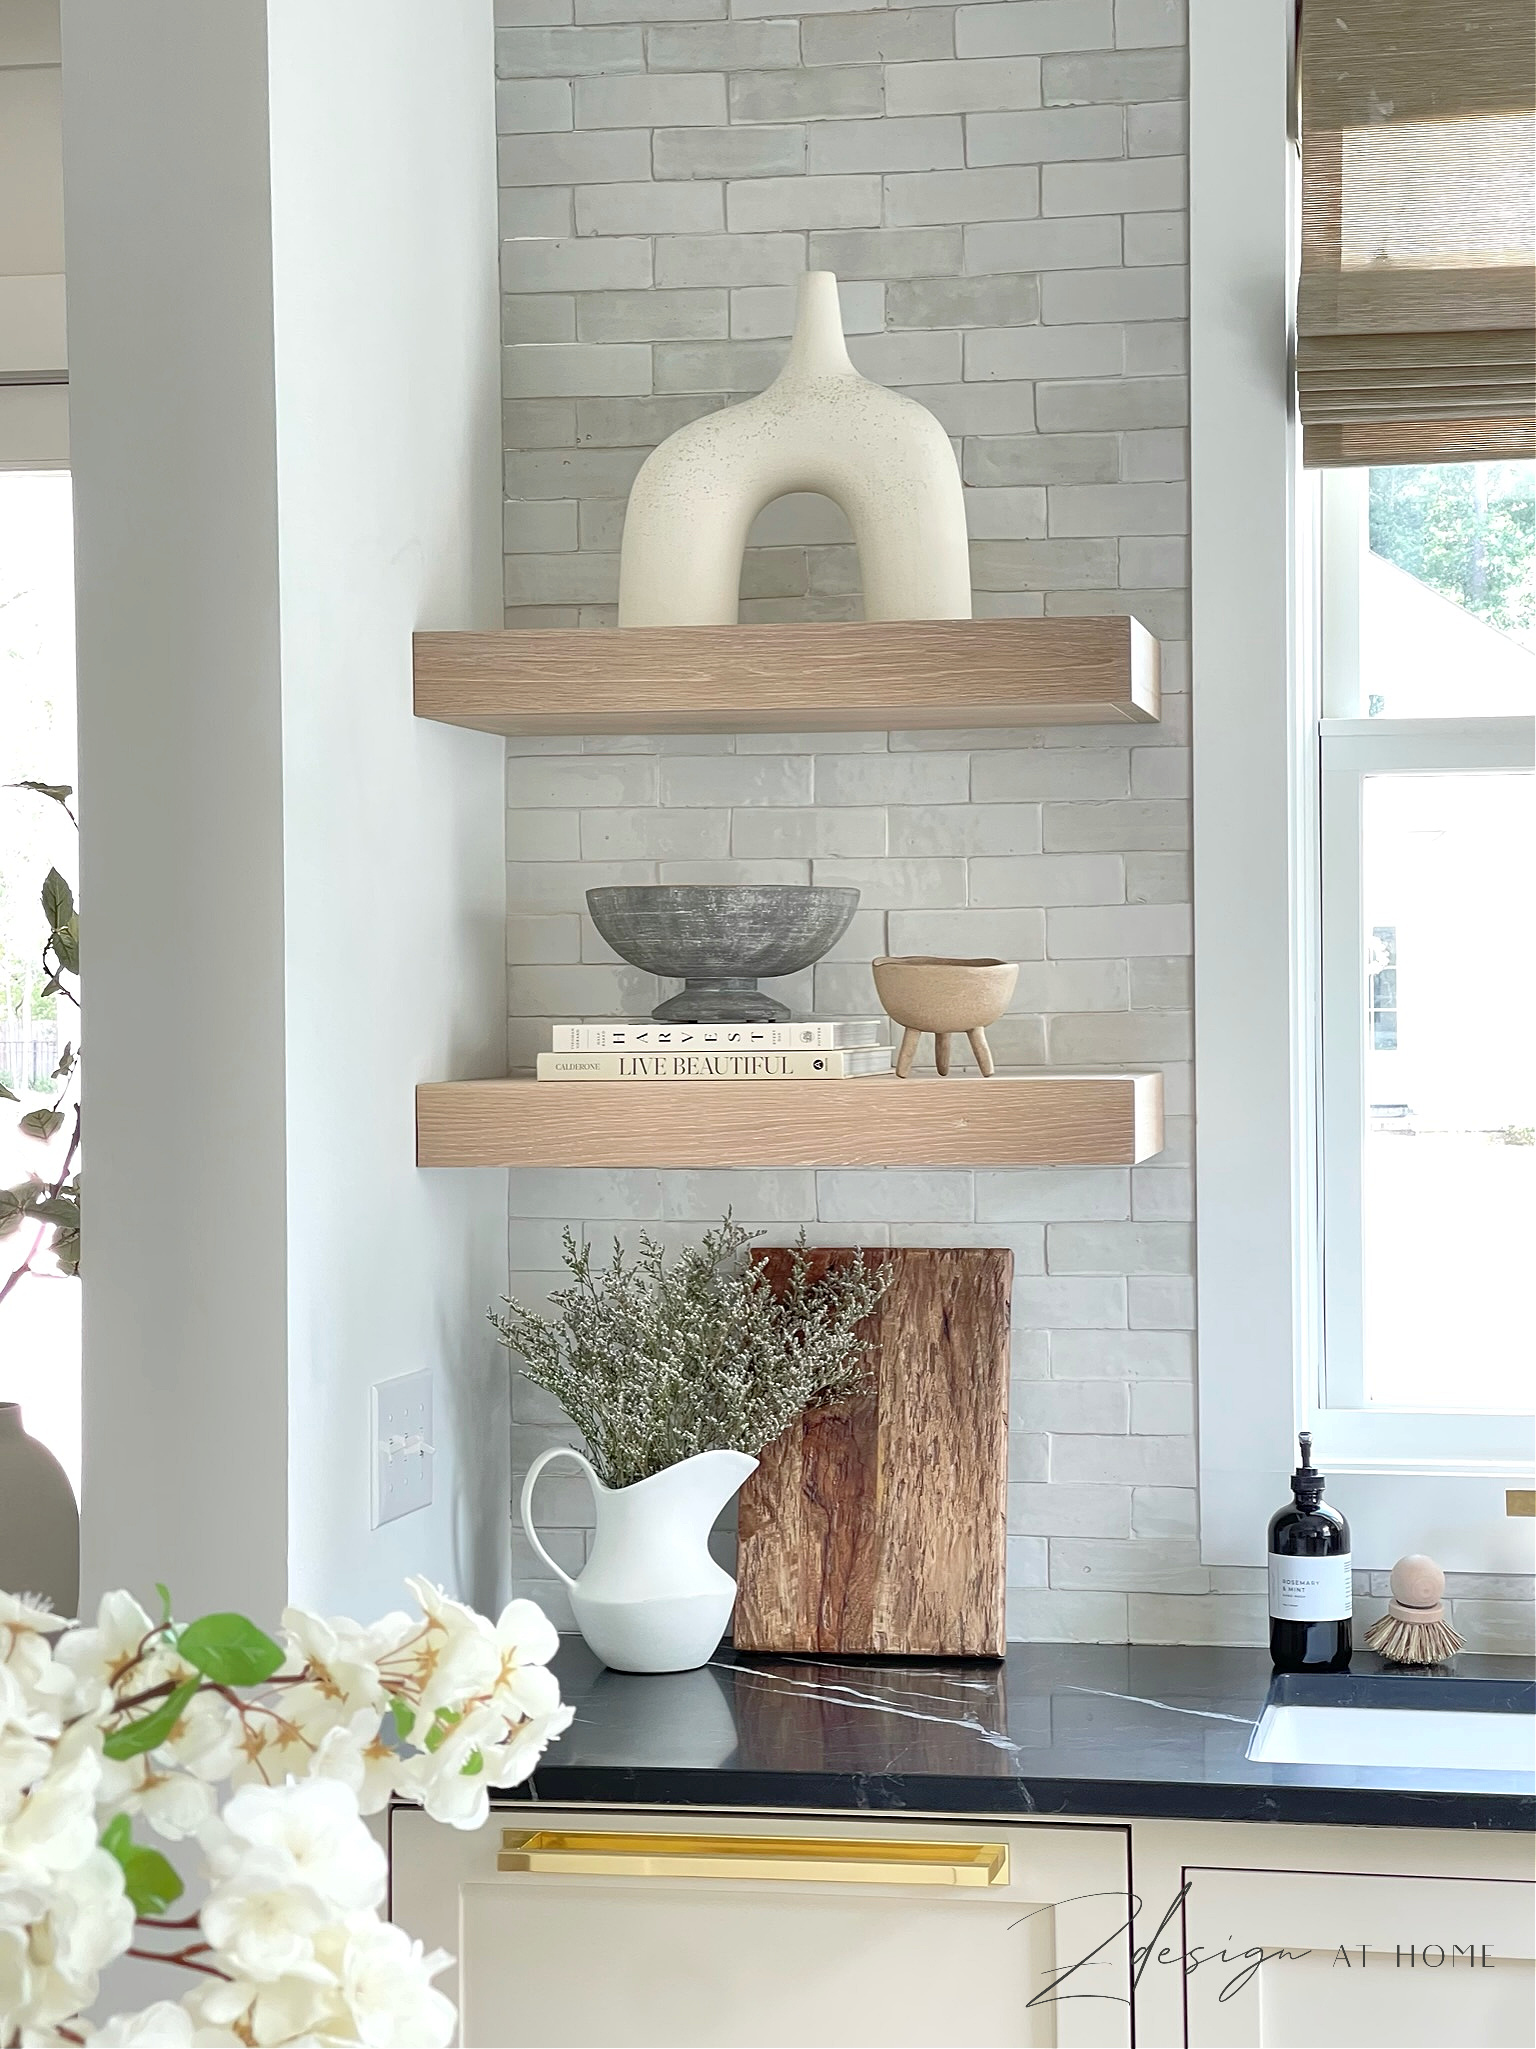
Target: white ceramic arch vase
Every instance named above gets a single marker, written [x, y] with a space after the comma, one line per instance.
[819, 426]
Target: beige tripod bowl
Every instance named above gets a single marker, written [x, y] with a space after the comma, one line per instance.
[926, 992]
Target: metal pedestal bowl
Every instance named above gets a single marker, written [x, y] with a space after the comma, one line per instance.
[719, 938]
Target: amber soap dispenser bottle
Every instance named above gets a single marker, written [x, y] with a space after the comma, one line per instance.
[1309, 1577]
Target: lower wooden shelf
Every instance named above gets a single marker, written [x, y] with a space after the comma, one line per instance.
[1042, 1119]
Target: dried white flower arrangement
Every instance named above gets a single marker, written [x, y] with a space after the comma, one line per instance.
[654, 1363]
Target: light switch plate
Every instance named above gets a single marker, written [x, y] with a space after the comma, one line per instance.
[402, 1445]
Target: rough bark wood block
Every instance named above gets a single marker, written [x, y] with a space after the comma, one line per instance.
[879, 1528]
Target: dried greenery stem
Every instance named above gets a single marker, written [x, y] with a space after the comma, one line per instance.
[654, 1363]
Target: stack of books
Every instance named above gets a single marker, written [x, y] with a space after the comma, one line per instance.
[804, 1049]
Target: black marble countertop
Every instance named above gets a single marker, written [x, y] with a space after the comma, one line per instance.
[1056, 1729]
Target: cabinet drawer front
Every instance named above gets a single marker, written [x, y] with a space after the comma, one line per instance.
[683, 1962]
[607, 1929]
[1348, 1956]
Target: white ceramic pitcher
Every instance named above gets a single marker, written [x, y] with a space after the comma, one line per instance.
[650, 1598]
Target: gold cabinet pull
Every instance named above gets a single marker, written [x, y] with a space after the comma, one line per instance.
[835, 1859]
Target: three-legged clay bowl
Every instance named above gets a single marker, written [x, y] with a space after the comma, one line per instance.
[927, 993]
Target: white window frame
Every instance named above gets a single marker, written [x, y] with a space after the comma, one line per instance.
[1258, 941]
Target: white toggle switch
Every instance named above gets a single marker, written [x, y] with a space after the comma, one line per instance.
[402, 1445]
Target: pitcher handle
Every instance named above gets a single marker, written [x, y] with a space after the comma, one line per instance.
[525, 1504]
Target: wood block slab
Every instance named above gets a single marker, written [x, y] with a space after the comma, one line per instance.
[879, 1528]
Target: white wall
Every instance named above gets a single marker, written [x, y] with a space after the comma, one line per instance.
[384, 232]
[283, 342]
[169, 235]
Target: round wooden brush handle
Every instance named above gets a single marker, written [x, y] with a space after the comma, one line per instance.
[1417, 1587]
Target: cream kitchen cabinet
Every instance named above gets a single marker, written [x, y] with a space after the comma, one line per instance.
[1288, 1937]
[637, 1927]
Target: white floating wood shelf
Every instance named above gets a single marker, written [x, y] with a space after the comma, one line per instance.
[1035, 1120]
[784, 679]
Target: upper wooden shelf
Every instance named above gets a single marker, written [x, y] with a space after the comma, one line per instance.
[1035, 1120]
[785, 679]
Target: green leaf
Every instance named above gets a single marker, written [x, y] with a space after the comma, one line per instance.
[65, 1247]
[58, 900]
[150, 1880]
[9, 1095]
[42, 1123]
[66, 1061]
[65, 941]
[165, 1602]
[59, 1209]
[472, 1765]
[150, 1731]
[404, 1714]
[230, 1650]
[59, 792]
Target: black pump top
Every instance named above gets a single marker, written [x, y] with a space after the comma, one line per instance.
[1306, 1480]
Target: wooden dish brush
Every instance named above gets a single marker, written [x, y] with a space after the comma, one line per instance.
[1414, 1630]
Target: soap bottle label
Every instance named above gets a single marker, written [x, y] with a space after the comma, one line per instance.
[1309, 1589]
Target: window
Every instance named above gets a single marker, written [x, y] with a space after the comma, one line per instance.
[1428, 1071]
[40, 1313]
[1361, 705]
[1381, 969]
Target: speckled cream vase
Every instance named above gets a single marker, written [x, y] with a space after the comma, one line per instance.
[819, 426]
[39, 1523]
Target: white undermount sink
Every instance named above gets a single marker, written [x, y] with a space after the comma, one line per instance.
[1430, 1739]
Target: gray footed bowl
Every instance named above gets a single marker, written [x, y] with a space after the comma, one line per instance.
[719, 937]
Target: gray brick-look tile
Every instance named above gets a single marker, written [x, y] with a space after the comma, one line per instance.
[650, 102]
[1152, 292]
[763, 311]
[1018, 26]
[1052, 135]
[1006, 513]
[584, 157]
[962, 87]
[929, 197]
[1142, 185]
[890, 36]
[724, 46]
[1149, 23]
[567, 52]
[527, 106]
[656, 209]
[848, 92]
[890, 253]
[764, 204]
[1079, 79]
[956, 302]
[932, 142]
[572, 266]
[766, 259]
[1000, 189]
[729, 152]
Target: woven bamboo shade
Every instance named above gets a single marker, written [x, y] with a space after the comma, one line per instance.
[1416, 320]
